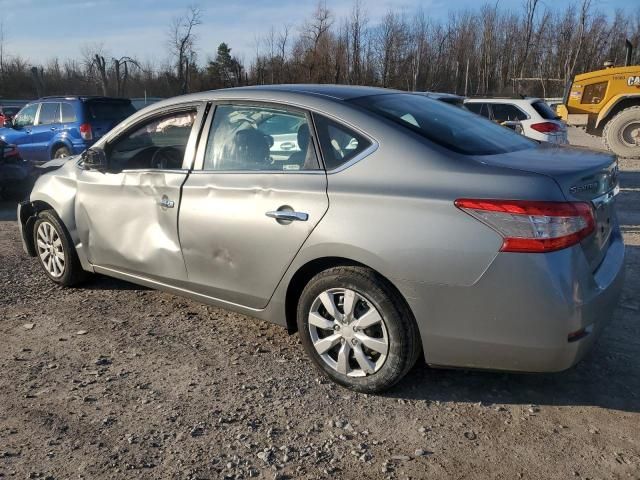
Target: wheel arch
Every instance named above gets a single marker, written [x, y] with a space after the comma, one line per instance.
[28, 214]
[614, 106]
[307, 271]
[57, 143]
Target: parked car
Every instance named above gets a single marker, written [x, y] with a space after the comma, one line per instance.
[400, 227]
[55, 127]
[533, 115]
[16, 175]
[7, 112]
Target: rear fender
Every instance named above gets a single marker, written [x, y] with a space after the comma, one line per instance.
[60, 141]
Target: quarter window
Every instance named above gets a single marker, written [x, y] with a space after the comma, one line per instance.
[49, 113]
[251, 138]
[26, 117]
[157, 144]
[339, 143]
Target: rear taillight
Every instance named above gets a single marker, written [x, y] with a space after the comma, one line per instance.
[528, 226]
[85, 131]
[545, 127]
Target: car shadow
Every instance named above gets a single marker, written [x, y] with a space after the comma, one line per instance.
[8, 210]
[102, 282]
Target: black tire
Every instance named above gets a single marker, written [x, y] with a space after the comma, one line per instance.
[616, 130]
[72, 272]
[404, 345]
[61, 152]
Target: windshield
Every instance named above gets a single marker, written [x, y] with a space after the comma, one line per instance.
[451, 127]
[112, 111]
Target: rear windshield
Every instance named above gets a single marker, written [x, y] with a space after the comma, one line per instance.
[112, 111]
[545, 110]
[453, 128]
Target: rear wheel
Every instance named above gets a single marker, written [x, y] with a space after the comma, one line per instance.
[622, 133]
[61, 152]
[56, 253]
[356, 329]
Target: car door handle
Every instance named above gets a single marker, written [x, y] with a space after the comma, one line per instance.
[166, 203]
[288, 215]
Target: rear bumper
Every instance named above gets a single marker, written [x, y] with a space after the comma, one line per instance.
[519, 315]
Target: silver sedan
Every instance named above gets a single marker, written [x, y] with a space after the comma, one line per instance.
[382, 226]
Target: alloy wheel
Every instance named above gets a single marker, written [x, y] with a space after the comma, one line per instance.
[348, 332]
[50, 249]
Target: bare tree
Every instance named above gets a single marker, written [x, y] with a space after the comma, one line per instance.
[182, 41]
[121, 68]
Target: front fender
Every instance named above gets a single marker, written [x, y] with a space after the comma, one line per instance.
[608, 107]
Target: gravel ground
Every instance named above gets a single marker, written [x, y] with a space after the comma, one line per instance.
[115, 381]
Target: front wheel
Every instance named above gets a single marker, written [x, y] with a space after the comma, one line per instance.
[56, 253]
[356, 329]
[622, 133]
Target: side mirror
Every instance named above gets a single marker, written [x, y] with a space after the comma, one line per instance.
[94, 159]
[8, 123]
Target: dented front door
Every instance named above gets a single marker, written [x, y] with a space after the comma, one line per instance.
[128, 221]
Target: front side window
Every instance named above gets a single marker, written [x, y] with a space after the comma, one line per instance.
[594, 93]
[253, 138]
[157, 144]
[503, 112]
[451, 127]
[26, 117]
[49, 114]
[338, 142]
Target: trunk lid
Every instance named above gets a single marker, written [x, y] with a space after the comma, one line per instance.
[582, 175]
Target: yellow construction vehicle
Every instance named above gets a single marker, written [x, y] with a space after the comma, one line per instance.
[607, 103]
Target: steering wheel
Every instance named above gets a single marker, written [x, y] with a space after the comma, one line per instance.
[167, 158]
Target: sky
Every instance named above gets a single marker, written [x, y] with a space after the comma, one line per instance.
[39, 30]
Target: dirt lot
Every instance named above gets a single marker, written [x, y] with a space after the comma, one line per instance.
[115, 381]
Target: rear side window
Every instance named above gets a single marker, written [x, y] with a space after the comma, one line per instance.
[339, 144]
[109, 111]
[256, 138]
[545, 110]
[478, 108]
[49, 113]
[68, 113]
[450, 127]
[503, 112]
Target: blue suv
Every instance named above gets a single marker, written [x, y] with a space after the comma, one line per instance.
[56, 127]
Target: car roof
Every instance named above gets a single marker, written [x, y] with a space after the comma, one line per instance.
[514, 101]
[338, 92]
[82, 98]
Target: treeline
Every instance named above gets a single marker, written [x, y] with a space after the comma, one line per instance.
[490, 50]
